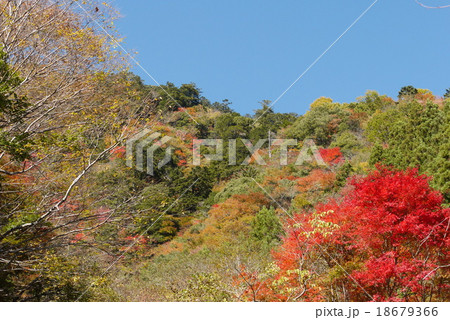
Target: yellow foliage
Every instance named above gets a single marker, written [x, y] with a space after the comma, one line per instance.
[322, 101]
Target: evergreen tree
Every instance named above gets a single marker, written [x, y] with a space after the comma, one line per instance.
[344, 172]
[377, 155]
[416, 136]
[407, 92]
[266, 228]
[447, 94]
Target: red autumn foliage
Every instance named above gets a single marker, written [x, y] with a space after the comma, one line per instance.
[134, 243]
[332, 155]
[386, 239]
[78, 237]
[317, 180]
[118, 153]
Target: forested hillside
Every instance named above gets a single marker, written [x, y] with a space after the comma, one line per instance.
[78, 223]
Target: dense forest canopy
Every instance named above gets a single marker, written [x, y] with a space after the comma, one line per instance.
[77, 223]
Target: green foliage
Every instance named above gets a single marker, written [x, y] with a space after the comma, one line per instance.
[196, 185]
[343, 173]
[243, 185]
[172, 98]
[250, 172]
[415, 136]
[376, 155]
[154, 216]
[53, 249]
[181, 276]
[320, 124]
[407, 92]
[371, 102]
[447, 94]
[300, 203]
[60, 278]
[118, 184]
[379, 127]
[231, 126]
[266, 228]
[155, 196]
[268, 121]
[204, 287]
[162, 229]
[223, 107]
[347, 142]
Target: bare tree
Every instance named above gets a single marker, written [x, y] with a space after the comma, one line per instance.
[70, 121]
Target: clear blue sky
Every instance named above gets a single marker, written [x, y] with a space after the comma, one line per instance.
[250, 50]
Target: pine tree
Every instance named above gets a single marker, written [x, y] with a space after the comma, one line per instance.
[447, 94]
[407, 92]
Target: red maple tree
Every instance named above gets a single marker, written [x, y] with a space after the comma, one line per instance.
[385, 239]
[332, 155]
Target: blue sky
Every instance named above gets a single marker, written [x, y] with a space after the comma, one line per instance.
[251, 50]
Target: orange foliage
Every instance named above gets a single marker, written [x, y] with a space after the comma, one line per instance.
[424, 95]
[332, 155]
[390, 234]
[231, 218]
[317, 180]
[118, 153]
